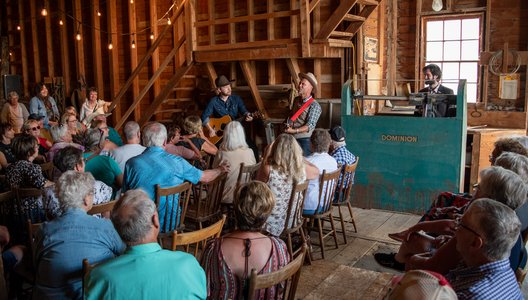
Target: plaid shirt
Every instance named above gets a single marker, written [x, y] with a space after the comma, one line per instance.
[494, 280]
[314, 112]
[343, 157]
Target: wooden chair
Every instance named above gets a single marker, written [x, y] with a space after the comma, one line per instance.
[172, 211]
[342, 198]
[246, 173]
[289, 273]
[20, 195]
[102, 208]
[205, 205]
[327, 187]
[47, 169]
[7, 200]
[195, 238]
[86, 270]
[294, 218]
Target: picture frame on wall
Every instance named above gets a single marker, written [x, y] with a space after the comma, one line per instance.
[370, 49]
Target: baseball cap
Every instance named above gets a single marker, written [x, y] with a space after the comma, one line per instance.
[337, 134]
[419, 285]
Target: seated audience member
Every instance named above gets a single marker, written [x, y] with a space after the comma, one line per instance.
[93, 106]
[155, 166]
[507, 145]
[62, 138]
[113, 135]
[71, 159]
[283, 165]
[144, 271]
[189, 151]
[234, 150]
[106, 145]
[7, 133]
[484, 237]
[10, 256]
[76, 127]
[102, 167]
[133, 146]
[228, 260]
[62, 244]
[43, 105]
[194, 131]
[420, 285]
[33, 127]
[14, 112]
[496, 183]
[320, 141]
[340, 153]
[523, 139]
[25, 174]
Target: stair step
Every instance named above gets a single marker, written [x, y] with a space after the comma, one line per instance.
[341, 34]
[178, 100]
[172, 110]
[354, 18]
[368, 2]
[184, 88]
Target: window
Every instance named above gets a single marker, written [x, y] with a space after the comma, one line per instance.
[454, 44]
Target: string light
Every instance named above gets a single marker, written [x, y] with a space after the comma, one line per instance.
[98, 13]
[18, 27]
[152, 35]
[131, 1]
[133, 42]
[168, 21]
[60, 22]
[110, 46]
[44, 12]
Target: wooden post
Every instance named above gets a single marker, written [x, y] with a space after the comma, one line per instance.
[211, 11]
[65, 53]
[317, 73]
[190, 19]
[79, 45]
[305, 28]
[133, 55]
[113, 63]
[293, 66]
[271, 36]
[49, 42]
[417, 45]
[250, 78]
[23, 50]
[251, 24]
[96, 46]
[211, 73]
[294, 20]
[34, 40]
[154, 29]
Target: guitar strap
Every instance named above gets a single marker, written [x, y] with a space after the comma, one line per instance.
[303, 108]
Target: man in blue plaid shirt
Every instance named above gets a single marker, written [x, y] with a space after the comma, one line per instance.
[338, 148]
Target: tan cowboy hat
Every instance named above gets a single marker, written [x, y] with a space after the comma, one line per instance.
[311, 78]
[222, 81]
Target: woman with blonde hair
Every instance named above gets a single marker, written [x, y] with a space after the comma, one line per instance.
[193, 127]
[282, 165]
[228, 260]
[235, 151]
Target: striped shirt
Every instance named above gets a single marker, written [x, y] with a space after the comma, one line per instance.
[494, 280]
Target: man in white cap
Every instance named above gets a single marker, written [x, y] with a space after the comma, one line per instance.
[305, 112]
[224, 103]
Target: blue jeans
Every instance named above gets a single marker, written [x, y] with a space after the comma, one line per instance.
[305, 146]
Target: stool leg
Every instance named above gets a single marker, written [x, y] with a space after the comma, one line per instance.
[342, 223]
[303, 237]
[334, 231]
[321, 238]
[351, 216]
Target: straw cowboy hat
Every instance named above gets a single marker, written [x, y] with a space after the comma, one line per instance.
[311, 78]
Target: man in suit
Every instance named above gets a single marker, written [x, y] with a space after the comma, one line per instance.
[433, 75]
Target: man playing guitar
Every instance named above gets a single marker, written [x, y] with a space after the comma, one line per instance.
[305, 112]
[224, 103]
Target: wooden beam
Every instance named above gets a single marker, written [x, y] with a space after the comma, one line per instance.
[49, 43]
[211, 73]
[173, 81]
[211, 11]
[294, 20]
[151, 81]
[133, 54]
[337, 16]
[64, 51]
[417, 45]
[23, 50]
[247, 45]
[232, 33]
[305, 28]
[487, 33]
[318, 73]
[79, 45]
[291, 50]
[96, 49]
[271, 36]
[34, 40]
[242, 19]
[251, 23]
[393, 44]
[364, 13]
[190, 18]
[252, 83]
[113, 59]
[293, 66]
[155, 62]
[313, 4]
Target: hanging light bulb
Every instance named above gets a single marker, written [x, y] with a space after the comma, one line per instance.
[60, 22]
[133, 44]
[110, 46]
[44, 12]
[152, 35]
[18, 27]
[168, 21]
[98, 13]
[131, 1]
[78, 35]
[10, 53]
[437, 5]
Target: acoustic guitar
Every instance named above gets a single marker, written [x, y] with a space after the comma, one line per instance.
[219, 124]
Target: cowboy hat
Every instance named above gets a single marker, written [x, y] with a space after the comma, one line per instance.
[222, 81]
[311, 78]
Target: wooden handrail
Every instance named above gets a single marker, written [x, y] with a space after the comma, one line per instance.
[147, 56]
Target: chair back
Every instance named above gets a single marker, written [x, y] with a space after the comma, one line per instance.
[289, 273]
[20, 195]
[86, 270]
[32, 229]
[206, 199]
[346, 181]
[246, 174]
[195, 238]
[7, 200]
[47, 170]
[327, 188]
[102, 208]
[171, 203]
[294, 218]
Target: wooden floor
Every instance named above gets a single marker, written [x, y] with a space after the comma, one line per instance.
[350, 272]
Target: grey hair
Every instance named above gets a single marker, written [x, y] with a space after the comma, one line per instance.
[499, 226]
[523, 139]
[93, 137]
[320, 140]
[132, 216]
[504, 186]
[514, 162]
[234, 137]
[58, 132]
[131, 130]
[154, 134]
[72, 188]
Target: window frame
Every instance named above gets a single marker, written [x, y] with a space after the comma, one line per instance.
[458, 16]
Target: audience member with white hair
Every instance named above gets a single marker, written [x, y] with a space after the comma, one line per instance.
[484, 237]
[61, 138]
[132, 147]
[62, 244]
[144, 270]
[156, 166]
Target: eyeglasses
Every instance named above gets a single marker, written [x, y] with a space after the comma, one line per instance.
[35, 128]
[70, 121]
[459, 224]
